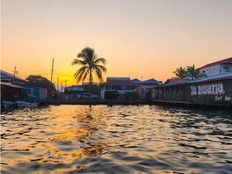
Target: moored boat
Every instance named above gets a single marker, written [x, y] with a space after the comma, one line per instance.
[23, 104]
[7, 105]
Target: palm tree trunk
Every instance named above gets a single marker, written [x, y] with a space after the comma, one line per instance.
[91, 77]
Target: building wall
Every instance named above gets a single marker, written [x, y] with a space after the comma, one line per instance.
[217, 70]
[119, 87]
[203, 93]
[43, 93]
[227, 68]
[211, 70]
[170, 93]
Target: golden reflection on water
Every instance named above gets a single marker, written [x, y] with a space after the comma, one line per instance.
[69, 129]
[137, 139]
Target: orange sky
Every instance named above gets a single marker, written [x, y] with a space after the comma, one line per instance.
[146, 39]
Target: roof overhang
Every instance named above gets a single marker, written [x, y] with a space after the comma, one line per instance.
[10, 85]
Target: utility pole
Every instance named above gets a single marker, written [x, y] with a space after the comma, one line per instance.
[52, 77]
[52, 69]
[57, 83]
[15, 71]
[65, 83]
[61, 86]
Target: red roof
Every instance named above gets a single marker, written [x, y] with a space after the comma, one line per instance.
[175, 80]
[10, 85]
[224, 61]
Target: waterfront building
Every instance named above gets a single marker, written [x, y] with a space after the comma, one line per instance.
[71, 92]
[73, 89]
[94, 88]
[9, 91]
[211, 91]
[217, 68]
[14, 88]
[10, 78]
[143, 87]
[124, 87]
[84, 91]
[116, 86]
[85, 87]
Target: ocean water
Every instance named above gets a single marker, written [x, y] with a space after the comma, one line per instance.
[118, 139]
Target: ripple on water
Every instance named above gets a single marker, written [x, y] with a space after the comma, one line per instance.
[118, 139]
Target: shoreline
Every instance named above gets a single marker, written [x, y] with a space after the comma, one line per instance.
[143, 102]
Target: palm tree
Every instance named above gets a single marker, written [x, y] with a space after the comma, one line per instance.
[193, 72]
[181, 72]
[90, 63]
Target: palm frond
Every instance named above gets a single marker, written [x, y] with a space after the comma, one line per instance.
[80, 76]
[101, 67]
[85, 75]
[79, 62]
[81, 55]
[79, 71]
[99, 74]
[100, 60]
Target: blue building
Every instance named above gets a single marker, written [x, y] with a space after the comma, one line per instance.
[23, 90]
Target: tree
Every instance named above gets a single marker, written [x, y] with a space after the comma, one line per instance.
[41, 81]
[89, 64]
[181, 72]
[193, 72]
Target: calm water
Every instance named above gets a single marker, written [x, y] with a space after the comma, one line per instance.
[118, 139]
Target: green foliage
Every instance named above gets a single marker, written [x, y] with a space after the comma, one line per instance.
[193, 72]
[89, 64]
[188, 72]
[181, 73]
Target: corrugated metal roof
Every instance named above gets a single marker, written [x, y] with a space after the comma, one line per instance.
[10, 85]
[118, 80]
[204, 79]
[12, 76]
[211, 78]
[224, 61]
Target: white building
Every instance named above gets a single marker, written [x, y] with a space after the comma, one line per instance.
[115, 86]
[217, 68]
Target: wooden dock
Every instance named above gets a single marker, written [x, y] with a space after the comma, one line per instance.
[99, 102]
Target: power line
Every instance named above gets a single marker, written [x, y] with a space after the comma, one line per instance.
[60, 74]
[34, 72]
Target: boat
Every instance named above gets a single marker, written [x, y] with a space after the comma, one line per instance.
[23, 104]
[6, 105]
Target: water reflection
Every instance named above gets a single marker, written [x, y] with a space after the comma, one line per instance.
[118, 139]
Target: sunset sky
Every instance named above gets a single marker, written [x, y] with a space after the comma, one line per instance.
[139, 38]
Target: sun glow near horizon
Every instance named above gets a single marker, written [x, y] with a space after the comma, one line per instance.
[148, 39]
